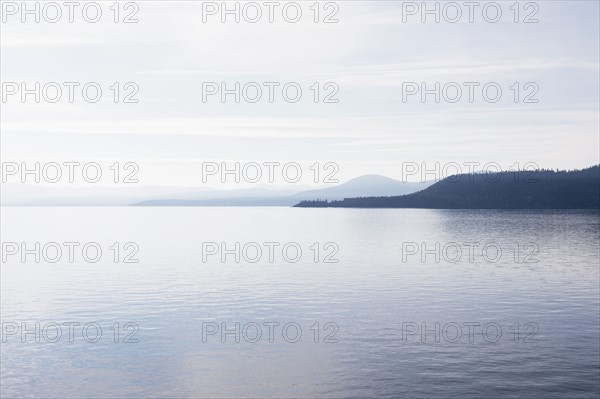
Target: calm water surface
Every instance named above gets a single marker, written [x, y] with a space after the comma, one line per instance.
[544, 296]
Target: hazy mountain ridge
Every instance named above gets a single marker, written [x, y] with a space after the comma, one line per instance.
[542, 189]
[14, 194]
[367, 185]
[370, 185]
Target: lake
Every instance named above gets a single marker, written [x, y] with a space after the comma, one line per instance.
[289, 302]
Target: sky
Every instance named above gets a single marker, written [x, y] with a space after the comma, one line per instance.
[366, 62]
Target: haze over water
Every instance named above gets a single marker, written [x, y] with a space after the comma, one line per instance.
[370, 297]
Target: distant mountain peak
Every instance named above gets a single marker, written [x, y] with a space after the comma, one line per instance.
[373, 178]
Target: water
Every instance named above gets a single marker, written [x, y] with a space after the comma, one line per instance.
[371, 298]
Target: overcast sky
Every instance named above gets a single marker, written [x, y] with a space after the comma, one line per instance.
[368, 54]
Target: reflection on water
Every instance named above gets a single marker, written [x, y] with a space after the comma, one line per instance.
[533, 274]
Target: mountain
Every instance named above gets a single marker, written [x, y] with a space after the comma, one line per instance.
[14, 194]
[48, 195]
[368, 185]
[365, 186]
[542, 189]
